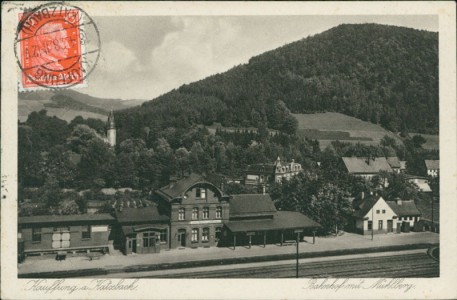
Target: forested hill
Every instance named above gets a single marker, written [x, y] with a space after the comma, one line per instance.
[383, 74]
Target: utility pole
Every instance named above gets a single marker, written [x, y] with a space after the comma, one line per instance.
[372, 223]
[297, 231]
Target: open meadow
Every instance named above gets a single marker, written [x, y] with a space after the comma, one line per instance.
[330, 126]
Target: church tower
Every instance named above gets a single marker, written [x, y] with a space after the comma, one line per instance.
[111, 129]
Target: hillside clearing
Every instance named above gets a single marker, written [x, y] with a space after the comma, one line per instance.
[331, 126]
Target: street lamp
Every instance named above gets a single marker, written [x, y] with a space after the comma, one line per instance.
[297, 231]
[372, 223]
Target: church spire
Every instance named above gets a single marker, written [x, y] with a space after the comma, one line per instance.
[111, 129]
[111, 124]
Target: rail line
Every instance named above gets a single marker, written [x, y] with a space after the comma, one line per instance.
[394, 266]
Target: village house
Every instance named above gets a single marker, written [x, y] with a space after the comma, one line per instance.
[433, 167]
[395, 164]
[373, 214]
[72, 233]
[261, 174]
[366, 167]
[406, 211]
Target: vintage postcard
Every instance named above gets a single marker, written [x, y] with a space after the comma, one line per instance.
[228, 150]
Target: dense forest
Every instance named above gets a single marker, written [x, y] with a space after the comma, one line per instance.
[383, 74]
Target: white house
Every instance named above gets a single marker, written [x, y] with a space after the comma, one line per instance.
[372, 213]
[433, 167]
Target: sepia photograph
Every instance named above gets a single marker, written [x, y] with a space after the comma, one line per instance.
[170, 143]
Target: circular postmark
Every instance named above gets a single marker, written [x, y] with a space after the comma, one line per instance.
[57, 46]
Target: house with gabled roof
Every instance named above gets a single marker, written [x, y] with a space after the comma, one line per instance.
[366, 167]
[373, 215]
[262, 174]
[394, 163]
[406, 211]
[433, 167]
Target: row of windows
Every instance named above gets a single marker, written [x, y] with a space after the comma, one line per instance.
[86, 232]
[148, 238]
[380, 225]
[205, 234]
[378, 211]
[195, 213]
[406, 218]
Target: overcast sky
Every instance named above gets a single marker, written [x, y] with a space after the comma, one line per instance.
[144, 57]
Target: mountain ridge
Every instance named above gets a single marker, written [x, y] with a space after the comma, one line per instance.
[387, 75]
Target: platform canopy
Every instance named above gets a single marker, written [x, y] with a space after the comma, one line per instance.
[282, 220]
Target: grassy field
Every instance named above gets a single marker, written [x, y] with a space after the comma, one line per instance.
[328, 127]
[27, 106]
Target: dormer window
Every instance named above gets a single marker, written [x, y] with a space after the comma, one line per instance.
[200, 193]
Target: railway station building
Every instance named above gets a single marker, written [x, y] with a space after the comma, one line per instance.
[187, 213]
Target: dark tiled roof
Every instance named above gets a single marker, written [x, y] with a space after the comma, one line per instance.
[363, 206]
[260, 169]
[407, 208]
[394, 162]
[251, 205]
[178, 188]
[366, 166]
[66, 218]
[432, 164]
[140, 215]
[281, 220]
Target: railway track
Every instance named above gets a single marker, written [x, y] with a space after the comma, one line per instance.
[394, 266]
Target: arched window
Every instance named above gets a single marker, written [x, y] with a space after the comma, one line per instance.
[195, 213]
[181, 214]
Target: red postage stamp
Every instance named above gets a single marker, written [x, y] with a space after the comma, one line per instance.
[51, 44]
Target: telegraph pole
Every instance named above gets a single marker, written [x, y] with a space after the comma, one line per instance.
[297, 231]
[372, 223]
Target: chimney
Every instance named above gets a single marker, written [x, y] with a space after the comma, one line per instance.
[263, 189]
[398, 200]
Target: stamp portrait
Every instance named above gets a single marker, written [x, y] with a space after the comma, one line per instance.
[51, 47]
